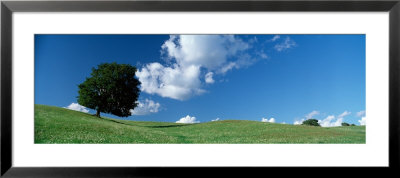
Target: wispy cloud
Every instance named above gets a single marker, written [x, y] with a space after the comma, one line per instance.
[345, 113]
[276, 37]
[262, 54]
[286, 44]
[312, 114]
[217, 119]
[307, 116]
[360, 113]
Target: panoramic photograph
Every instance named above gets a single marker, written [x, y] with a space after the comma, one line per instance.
[200, 89]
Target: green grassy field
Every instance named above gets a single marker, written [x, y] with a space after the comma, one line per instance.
[59, 125]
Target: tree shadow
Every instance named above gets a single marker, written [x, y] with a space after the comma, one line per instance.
[166, 126]
[119, 122]
[157, 126]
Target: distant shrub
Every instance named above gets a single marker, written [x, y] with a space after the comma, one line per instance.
[345, 124]
[353, 124]
[311, 122]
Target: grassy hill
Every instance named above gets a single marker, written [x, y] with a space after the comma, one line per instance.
[59, 125]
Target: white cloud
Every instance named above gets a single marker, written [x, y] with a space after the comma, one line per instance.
[262, 54]
[276, 37]
[312, 114]
[188, 56]
[283, 123]
[217, 119]
[361, 113]
[77, 107]
[330, 121]
[146, 107]
[209, 77]
[227, 67]
[253, 40]
[345, 113]
[172, 82]
[187, 120]
[298, 122]
[209, 51]
[363, 121]
[271, 120]
[307, 116]
[286, 44]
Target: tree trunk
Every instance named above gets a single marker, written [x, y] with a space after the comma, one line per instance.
[98, 113]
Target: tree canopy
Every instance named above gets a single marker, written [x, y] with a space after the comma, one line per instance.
[345, 124]
[311, 122]
[112, 88]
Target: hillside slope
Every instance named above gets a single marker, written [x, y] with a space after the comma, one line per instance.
[59, 125]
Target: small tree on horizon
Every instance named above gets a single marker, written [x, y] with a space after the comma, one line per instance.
[311, 122]
[112, 88]
[345, 124]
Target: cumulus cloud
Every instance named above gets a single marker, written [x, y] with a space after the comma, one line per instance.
[217, 119]
[332, 121]
[298, 122]
[286, 44]
[209, 51]
[188, 56]
[271, 120]
[146, 107]
[173, 82]
[363, 121]
[77, 107]
[361, 113]
[209, 77]
[188, 120]
[329, 121]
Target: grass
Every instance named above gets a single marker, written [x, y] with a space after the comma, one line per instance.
[59, 125]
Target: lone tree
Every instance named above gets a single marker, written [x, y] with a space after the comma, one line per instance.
[311, 122]
[112, 88]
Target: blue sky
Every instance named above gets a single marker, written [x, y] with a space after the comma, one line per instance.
[199, 78]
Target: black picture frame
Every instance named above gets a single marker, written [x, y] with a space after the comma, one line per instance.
[8, 7]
